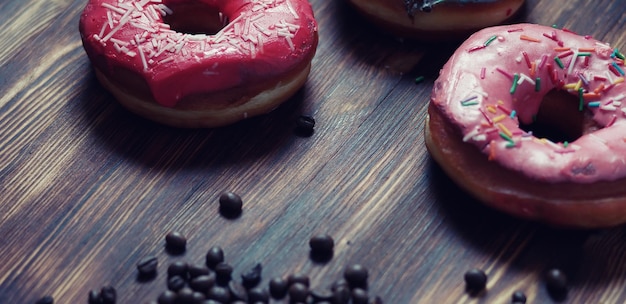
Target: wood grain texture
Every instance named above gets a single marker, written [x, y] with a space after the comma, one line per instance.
[88, 189]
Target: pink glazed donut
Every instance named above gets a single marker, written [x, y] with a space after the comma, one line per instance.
[202, 63]
[499, 80]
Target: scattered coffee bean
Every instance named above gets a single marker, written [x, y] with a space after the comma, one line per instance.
[322, 244]
[176, 242]
[197, 270]
[359, 296]
[252, 277]
[177, 268]
[339, 283]
[230, 204]
[219, 293]
[278, 287]
[298, 292]
[108, 295]
[556, 281]
[305, 125]
[184, 295]
[341, 295]
[237, 291]
[258, 295]
[298, 278]
[176, 283]
[94, 297]
[475, 280]
[197, 297]
[320, 295]
[356, 275]
[147, 266]
[167, 297]
[519, 297]
[214, 256]
[223, 272]
[203, 283]
[45, 300]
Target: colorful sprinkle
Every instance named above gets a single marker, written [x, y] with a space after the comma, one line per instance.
[593, 104]
[490, 40]
[581, 99]
[419, 79]
[527, 59]
[537, 84]
[514, 86]
[505, 73]
[482, 72]
[528, 38]
[559, 62]
[619, 70]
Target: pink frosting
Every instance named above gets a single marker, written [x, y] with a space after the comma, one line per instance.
[498, 78]
[262, 39]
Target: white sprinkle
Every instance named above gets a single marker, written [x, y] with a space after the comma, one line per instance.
[167, 59]
[525, 77]
[572, 62]
[291, 10]
[113, 8]
[471, 134]
[619, 97]
[143, 58]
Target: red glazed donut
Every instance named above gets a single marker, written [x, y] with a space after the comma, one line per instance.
[202, 63]
[498, 80]
[436, 19]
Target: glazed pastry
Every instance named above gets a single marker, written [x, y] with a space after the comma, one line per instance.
[200, 63]
[496, 85]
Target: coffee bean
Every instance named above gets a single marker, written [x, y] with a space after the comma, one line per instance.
[214, 256]
[556, 281]
[237, 291]
[519, 297]
[341, 295]
[219, 293]
[298, 278]
[94, 297]
[475, 280]
[356, 275]
[339, 283]
[177, 268]
[223, 272]
[203, 283]
[298, 292]
[45, 300]
[322, 244]
[278, 287]
[184, 296]
[176, 242]
[147, 266]
[230, 204]
[197, 270]
[320, 295]
[305, 126]
[197, 297]
[359, 296]
[167, 297]
[176, 283]
[108, 295]
[258, 295]
[252, 277]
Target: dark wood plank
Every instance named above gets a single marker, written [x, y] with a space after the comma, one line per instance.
[88, 189]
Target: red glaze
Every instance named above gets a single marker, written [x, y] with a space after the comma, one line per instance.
[263, 39]
[499, 76]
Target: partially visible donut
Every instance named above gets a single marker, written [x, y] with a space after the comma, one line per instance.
[498, 80]
[203, 63]
[436, 19]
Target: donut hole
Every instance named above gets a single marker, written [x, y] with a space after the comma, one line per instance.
[559, 118]
[195, 18]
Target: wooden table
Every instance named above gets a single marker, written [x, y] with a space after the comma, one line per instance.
[88, 189]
